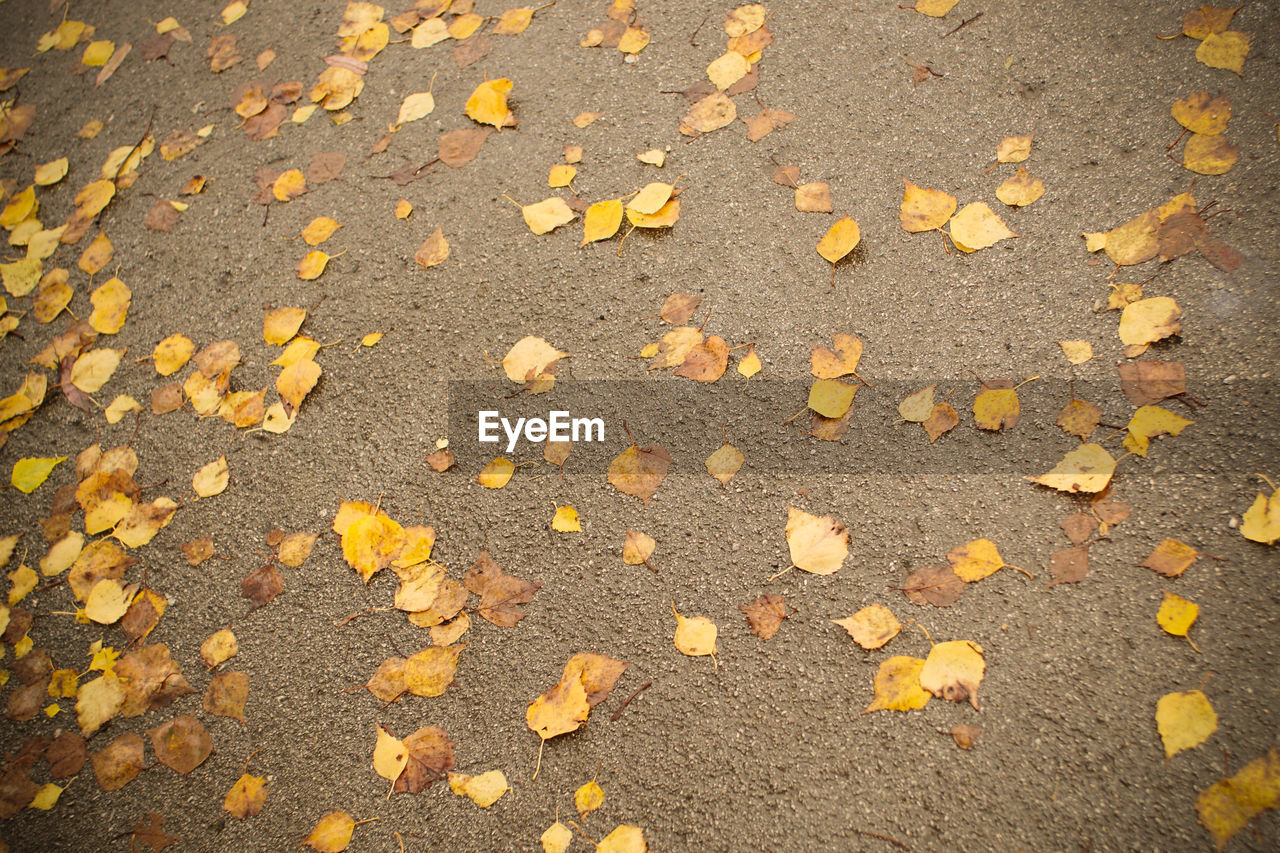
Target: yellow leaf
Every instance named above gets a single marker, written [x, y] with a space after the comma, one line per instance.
[547, 215]
[371, 339]
[483, 790]
[817, 544]
[172, 353]
[1185, 721]
[21, 277]
[62, 554]
[463, 26]
[296, 381]
[1177, 614]
[1020, 190]
[312, 266]
[110, 304]
[29, 473]
[319, 229]
[488, 103]
[1147, 423]
[728, 69]
[530, 358]
[20, 207]
[588, 798]
[233, 12]
[1209, 155]
[566, 520]
[121, 406]
[996, 408]
[831, 398]
[744, 20]
[713, 112]
[1224, 50]
[634, 40]
[403, 209]
[92, 370]
[280, 325]
[429, 32]
[289, 185]
[416, 106]
[1088, 468]
[976, 226]
[332, 833]
[434, 250]
[666, 216]
[1077, 352]
[694, 636]
[601, 221]
[897, 686]
[1226, 807]
[750, 364]
[513, 22]
[496, 474]
[246, 797]
[212, 479]
[953, 671]
[107, 601]
[1149, 320]
[724, 463]
[826, 364]
[48, 795]
[1014, 149]
[371, 543]
[220, 647]
[1200, 22]
[556, 838]
[1202, 114]
[840, 240]
[96, 53]
[390, 756]
[872, 626]
[654, 157]
[50, 173]
[1261, 522]
[975, 560]
[561, 176]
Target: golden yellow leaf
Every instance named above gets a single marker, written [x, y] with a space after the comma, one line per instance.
[21, 277]
[918, 407]
[1149, 320]
[1261, 522]
[826, 364]
[281, 324]
[172, 353]
[483, 790]
[488, 103]
[296, 381]
[96, 53]
[1088, 468]
[976, 226]
[1227, 806]
[1209, 155]
[1177, 614]
[221, 646]
[233, 12]
[1185, 721]
[831, 398]
[840, 240]
[588, 798]
[566, 520]
[724, 463]
[561, 176]
[556, 838]
[897, 686]
[750, 364]
[818, 544]
[246, 797]
[1200, 113]
[634, 40]
[1147, 423]
[390, 756]
[332, 833]
[319, 229]
[935, 8]
[694, 635]
[1014, 149]
[371, 339]
[212, 479]
[601, 221]
[312, 266]
[121, 406]
[975, 560]
[20, 207]
[1020, 190]
[996, 408]
[728, 69]
[562, 709]
[403, 209]
[110, 304]
[98, 701]
[872, 626]
[296, 547]
[513, 22]
[48, 794]
[1224, 50]
[371, 543]
[48, 174]
[1204, 20]
[108, 601]
[665, 217]
[289, 185]
[953, 671]
[29, 473]
[496, 474]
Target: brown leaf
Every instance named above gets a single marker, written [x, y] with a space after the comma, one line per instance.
[117, 57]
[325, 166]
[598, 673]
[198, 550]
[787, 176]
[1079, 526]
[441, 461]
[262, 585]
[1171, 558]
[457, 148]
[222, 53]
[227, 693]
[765, 615]
[679, 307]
[266, 124]
[66, 755]
[766, 122]
[829, 429]
[149, 832]
[16, 792]
[941, 420]
[24, 703]
[217, 358]
[152, 679]
[1148, 382]
[1069, 565]
[1080, 418]
[638, 471]
[746, 83]
[936, 585]
[471, 51]
[166, 398]
[706, 362]
[118, 762]
[965, 735]
[155, 47]
[499, 593]
[430, 758]
[181, 744]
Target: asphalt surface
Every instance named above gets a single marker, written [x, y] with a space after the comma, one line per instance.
[769, 749]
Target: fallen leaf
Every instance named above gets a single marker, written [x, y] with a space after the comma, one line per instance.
[953, 671]
[695, 636]
[1185, 721]
[897, 686]
[765, 615]
[483, 790]
[872, 626]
